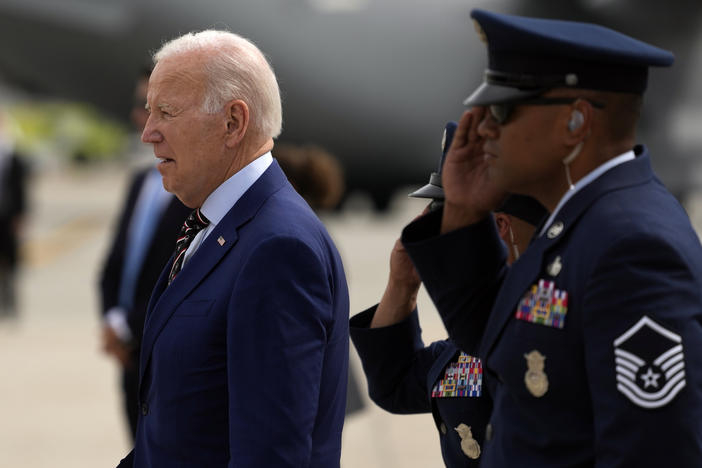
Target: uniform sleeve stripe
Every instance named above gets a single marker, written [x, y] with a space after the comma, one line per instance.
[670, 362]
[630, 357]
[674, 370]
[651, 396]
[626, 372]
[651, 404]
[627, 364]
[667, 354]
[647, 321]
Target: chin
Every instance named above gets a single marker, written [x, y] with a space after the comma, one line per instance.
[166, 185]
[494, 174]
[187, 203]
[186, 200]
[498, 178]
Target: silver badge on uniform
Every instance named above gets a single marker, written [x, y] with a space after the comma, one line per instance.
[469, 445]
[650, 364]
[535, 378]
[555, 266]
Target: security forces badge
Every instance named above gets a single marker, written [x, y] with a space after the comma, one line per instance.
[650, 365]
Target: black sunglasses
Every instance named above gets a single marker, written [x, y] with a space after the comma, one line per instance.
[501, 112]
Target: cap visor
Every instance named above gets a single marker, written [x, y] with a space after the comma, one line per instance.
[487, 94]
[428, 191]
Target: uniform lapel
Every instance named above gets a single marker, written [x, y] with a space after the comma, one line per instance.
[166, 299]
[519, 278]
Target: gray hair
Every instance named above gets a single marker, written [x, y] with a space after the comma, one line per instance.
[235, 69]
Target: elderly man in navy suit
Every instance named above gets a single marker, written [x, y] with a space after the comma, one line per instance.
[245, 348]
[591, 342]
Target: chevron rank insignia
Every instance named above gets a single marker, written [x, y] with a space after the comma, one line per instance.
[463, 378]
[544, 304]
[650, 364]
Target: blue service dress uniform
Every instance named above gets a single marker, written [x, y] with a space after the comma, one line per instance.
[592, 351]
[403, 375]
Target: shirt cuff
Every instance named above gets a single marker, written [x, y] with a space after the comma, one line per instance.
[116, 319]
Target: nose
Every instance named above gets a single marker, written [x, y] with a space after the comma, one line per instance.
[488, 127]
[151, 134]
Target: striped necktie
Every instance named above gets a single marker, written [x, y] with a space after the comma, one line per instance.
[195, 223]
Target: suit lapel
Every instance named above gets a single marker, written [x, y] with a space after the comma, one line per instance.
[527, 270]
[166, 299]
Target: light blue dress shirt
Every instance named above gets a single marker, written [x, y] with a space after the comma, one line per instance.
[224, 197]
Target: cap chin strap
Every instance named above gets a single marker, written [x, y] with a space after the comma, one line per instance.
[569, 159]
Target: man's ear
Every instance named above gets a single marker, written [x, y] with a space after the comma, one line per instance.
[503, 225]
[237, 121]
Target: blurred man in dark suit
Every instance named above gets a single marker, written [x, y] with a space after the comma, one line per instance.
[13, 205]
[143, 241]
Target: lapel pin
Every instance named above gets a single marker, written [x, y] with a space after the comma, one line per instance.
[555, 230]
[221, 240]
[555, 267]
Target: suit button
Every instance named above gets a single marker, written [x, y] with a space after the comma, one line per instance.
[488, 432]
[442, 428]
[144, 409]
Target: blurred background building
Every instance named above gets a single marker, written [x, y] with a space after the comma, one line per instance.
[369, 82]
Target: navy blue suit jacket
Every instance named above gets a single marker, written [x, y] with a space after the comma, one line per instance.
[624, 374]
[245, 355]
[402, 372]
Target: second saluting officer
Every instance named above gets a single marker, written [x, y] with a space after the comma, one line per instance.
[406, 377]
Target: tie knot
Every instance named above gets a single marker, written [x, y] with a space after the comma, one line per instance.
[196, 220]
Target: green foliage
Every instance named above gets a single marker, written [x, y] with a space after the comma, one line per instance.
[68, 130]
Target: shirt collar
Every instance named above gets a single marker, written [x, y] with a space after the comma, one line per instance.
[585, 181]
[230, 191]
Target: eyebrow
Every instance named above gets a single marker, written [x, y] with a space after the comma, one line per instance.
[161, 107]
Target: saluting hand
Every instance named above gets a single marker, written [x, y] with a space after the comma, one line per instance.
[470, 194]
[400, 297]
